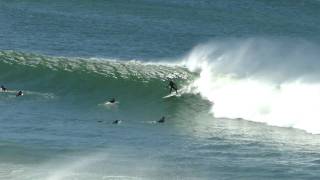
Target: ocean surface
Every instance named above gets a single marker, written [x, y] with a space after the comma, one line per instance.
[247, 72]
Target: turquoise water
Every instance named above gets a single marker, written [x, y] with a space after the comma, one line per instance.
[247, 70]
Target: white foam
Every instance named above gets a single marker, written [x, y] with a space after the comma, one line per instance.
[291, 102]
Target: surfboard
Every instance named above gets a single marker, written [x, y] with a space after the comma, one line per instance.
[172, 94]
[110, 103]
[9, 91]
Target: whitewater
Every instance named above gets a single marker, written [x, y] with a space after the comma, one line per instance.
[260, 80]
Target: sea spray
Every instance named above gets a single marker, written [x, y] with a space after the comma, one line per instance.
[260, 80]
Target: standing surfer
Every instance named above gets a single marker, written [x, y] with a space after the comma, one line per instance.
[172, 86]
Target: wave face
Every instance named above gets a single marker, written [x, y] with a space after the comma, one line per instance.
[88, 84]
[79, 75]
[274, 82]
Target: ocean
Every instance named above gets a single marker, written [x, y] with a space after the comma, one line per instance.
[247, 73]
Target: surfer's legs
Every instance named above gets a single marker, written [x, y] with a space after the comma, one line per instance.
[173, 88]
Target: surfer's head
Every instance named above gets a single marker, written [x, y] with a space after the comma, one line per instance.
[112, 100]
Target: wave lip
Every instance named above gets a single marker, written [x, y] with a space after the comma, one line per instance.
[105, 67]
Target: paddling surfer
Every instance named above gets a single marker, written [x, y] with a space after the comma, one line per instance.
[20, 93]
[162, 120]
[112, 100]
[3, 88]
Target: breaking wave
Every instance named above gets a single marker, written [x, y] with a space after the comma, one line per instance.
[273, 82]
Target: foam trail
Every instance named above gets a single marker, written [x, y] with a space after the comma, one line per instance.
[235, 76]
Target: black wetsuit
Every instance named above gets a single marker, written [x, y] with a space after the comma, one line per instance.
[172, 85]
[113, 100]
[161, 120]
[116, 122]
[3, 88]
[19, 93]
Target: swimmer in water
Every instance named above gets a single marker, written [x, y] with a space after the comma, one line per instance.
[112, 100]
[116, 122]
[20, 93]
[3, 88]
[162, 120]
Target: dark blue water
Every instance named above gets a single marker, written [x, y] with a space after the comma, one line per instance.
[147, 29]
[71, 57]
